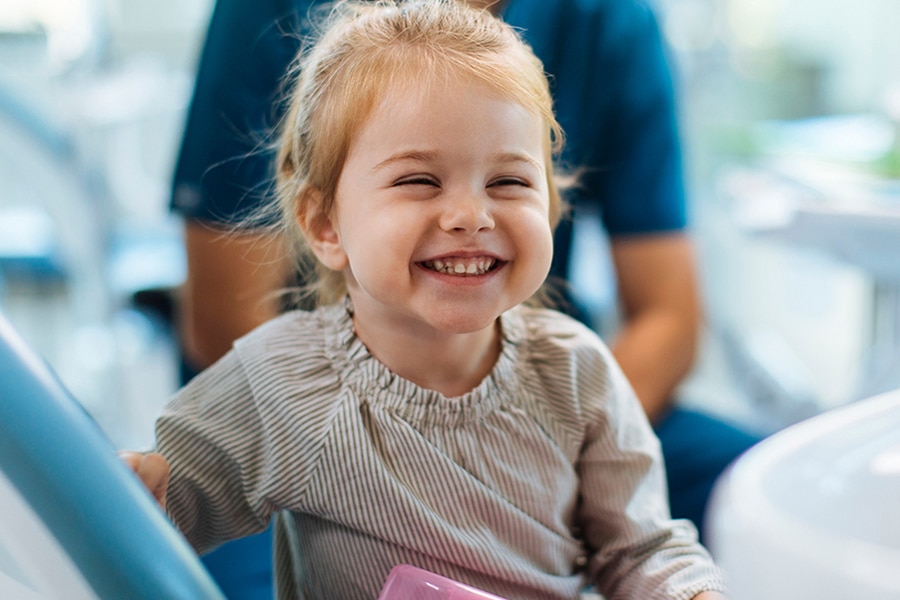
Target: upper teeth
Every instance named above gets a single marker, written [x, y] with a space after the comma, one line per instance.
[459, 266]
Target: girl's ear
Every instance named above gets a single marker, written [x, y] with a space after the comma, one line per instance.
[319, 228]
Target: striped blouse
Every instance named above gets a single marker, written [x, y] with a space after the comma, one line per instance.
[543, 479]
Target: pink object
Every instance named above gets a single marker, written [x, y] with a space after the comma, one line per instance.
[406, 582]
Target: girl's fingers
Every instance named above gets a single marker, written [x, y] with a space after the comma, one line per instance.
[152, 469]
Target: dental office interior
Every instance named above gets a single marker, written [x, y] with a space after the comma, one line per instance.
[790, 118]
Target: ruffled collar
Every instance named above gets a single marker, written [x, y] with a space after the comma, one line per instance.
[378, 385]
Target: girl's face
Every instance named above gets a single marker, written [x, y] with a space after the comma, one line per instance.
[441, 210]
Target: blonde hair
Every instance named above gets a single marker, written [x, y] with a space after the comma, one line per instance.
[367, 49]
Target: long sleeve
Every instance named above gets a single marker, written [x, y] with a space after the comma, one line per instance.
[631, 546]
[213, 437]
[638, 551]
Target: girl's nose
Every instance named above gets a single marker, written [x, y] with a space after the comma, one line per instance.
[466, 212]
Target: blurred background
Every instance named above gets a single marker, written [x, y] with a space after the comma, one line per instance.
[791, 127]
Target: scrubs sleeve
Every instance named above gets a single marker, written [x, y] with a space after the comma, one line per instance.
[615, 97]
[224, 168]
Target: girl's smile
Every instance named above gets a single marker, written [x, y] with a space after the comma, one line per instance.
[463, 271]
[463, 266]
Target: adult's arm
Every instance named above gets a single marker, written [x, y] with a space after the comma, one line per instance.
[231, 287]
[224, 173]
[662, 313]
[619, 108]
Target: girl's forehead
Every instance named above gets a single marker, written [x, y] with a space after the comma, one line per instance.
[425, 89]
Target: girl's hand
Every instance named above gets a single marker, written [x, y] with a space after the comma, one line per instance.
[153, 471]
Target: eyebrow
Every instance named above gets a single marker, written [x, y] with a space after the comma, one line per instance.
[521, 157]
[410, 155]
[429, 155]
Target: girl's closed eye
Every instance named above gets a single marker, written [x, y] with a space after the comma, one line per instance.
[511, 187]
[414, 180]
[510, 181]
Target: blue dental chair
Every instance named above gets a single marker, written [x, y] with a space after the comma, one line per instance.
[75, 523]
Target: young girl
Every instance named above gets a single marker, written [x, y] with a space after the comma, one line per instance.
[422, 414]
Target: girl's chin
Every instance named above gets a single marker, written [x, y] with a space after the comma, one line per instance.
[463, 323]
[441, 313]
